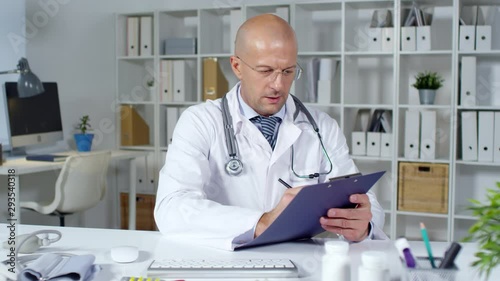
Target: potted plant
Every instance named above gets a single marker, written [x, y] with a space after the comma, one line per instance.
[486, 231]
[151, 84]
[83, 139]
[427, 83]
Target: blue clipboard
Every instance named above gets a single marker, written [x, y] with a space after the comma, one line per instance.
[300, 219]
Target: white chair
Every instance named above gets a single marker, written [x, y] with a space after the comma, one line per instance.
[80, 185]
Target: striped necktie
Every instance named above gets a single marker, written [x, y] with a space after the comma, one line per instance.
[267, 127]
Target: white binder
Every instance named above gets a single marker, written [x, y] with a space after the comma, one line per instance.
[485, 136]
[483, 38]
[468, 81]
[373, 143]
[172, 117]
[375, 42]
[151, 174]
[358, 144]
[236, 19]
[141, 164]
[386, 146]
[469, 135]
[408, 34]
[181, 85]
[428, 135]
[496, 140]
[423, 38]
[387, 39]
[467, 39]
[166, 81]
[412, 133]
[132, 36]
[146, 36]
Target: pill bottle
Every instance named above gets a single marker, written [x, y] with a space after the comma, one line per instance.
[336, 264]
[373, 267]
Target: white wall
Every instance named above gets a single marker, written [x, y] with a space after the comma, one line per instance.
[11, 49]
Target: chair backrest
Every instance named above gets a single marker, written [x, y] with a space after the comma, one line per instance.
[82, 182]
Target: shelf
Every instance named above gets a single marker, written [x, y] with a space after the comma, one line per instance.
[442, 161]
[480, 53]
[370, 106]
[319, 54]
[424, 106]
[179, 104]
[139, 147]
[420, 214]
[479, 107]
[491, 164]
[315, 104]
[370, 158]
[220, 55]
[425, 53]
[177, 57]
[124, 102]
[368, 54]
[140, 58]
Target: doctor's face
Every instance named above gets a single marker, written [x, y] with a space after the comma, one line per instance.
[266, 70]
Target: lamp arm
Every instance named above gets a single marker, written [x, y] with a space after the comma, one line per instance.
[10, 71]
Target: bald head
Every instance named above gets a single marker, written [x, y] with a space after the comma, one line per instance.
[264, 31]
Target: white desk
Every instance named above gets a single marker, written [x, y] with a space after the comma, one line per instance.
[306, 255]
[23, 167]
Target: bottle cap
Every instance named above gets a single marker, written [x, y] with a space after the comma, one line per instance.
[374, 259]
[337, 247]
[401, 244]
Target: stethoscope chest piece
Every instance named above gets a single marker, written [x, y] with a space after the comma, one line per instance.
[234, 167]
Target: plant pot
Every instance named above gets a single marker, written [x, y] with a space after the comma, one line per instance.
[427, 96]
[84, 141]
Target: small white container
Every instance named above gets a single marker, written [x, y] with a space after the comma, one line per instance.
[373, 267]
[336, 261]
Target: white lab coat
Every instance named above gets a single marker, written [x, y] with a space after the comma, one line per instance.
[198, 201]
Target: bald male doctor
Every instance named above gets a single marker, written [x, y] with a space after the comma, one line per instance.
[199, 201]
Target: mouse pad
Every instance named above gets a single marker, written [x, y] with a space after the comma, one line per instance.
[300, 219]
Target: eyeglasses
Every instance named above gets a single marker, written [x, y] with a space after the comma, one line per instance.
[271, 74]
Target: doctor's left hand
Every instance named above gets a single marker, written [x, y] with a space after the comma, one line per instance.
[353, 224]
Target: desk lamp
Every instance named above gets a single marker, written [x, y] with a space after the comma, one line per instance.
[28, 84]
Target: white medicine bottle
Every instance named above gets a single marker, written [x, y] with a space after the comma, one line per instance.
[336, 262]
[373, 267]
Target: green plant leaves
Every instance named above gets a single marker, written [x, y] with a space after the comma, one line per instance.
[428, 80]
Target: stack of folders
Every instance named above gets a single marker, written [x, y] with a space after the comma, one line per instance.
[475, 27]
[374, 137]
[320, 77]
[139, 36]
[420, 134]
[416, 29]
[175, 81]
[479, 142]
[381, 31]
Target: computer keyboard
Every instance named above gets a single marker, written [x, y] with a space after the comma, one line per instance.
[222, 268]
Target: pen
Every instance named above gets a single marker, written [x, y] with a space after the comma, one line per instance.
[450, 255]
[427, 244]
[284, 183]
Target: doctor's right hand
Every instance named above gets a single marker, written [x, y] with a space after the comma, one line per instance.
[268, 218]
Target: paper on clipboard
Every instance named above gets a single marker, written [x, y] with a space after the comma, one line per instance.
[301, 217]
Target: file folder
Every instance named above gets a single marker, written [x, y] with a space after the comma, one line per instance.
[468, 81]
[467, 39]
[146, 36]
[469, 135]
[423, 36]
[181, 84]
[428, 136]
[132, 36]
[485, 138]
[215, 84]
[172, 117]
[375, 42]
[412, 133]
[496, 141]
[483, 38]
[134, 130]
[387, 39]
[373, 143]
[166, 81]
[408, 34]
[300, 219]
[324, 91]
[358, 142]
[386, 146]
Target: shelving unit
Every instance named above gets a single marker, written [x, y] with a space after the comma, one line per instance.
[364, 79]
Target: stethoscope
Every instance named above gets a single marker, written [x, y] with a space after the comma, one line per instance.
[234, 166]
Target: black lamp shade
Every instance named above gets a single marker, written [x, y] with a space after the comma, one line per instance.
[28, 84]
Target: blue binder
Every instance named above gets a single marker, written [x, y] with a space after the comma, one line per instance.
[300, 219]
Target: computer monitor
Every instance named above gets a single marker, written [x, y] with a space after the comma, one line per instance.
[34, 120]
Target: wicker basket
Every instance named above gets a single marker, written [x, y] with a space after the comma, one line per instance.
[423, 187]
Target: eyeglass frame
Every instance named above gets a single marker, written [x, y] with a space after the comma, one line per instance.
[297, 67]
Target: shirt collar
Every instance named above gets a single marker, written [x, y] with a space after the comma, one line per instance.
[249, 113]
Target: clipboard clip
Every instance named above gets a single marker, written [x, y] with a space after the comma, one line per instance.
[344, 177]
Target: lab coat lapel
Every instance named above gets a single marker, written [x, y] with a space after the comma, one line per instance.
[288, 132]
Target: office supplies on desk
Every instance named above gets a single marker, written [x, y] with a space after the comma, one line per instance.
[300, 219]
[425, 237]
[222, 268]
[47, 157]
[450, 255]
[405, 252]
